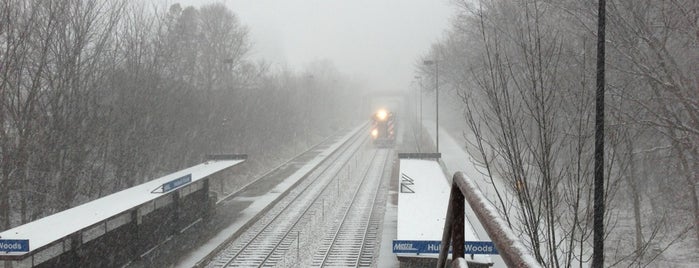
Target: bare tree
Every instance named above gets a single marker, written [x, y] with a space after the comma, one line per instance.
[525, 85]
[523, 70]
[99, 95]
[653, 38]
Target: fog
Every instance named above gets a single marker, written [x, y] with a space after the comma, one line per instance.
[98, 96]
[377, 42]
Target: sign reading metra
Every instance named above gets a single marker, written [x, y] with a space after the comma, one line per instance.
[168, 186]
[427, 247]
[14, 245]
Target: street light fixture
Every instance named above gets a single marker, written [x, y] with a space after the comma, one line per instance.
[436, 86]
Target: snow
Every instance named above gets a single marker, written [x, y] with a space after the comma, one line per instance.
[527, 258]
[258, 204]
[57, 226]
[386, 257]
[421, 215]
[456, 159]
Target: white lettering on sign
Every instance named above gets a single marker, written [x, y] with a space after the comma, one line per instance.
[483, 248]
[14, 245]
[403, 246]
[433, 247]
[10, 246]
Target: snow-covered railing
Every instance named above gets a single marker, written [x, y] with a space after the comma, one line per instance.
[508, 245]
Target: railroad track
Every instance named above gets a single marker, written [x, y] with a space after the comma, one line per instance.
[265, 243]
[352, 241]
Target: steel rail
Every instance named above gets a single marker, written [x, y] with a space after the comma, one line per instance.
[354, 141]
[314, 201]
[371, 214]
[349, 208]
[277, 168]
[227, 242]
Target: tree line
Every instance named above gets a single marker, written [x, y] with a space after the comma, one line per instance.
[525, 74]
[100, 95]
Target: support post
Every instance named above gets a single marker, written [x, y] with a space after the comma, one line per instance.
[175, 220]
[457, 235]
[598, 217]
[448, 226]
[508, 245]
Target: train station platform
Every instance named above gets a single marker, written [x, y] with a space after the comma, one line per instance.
[77, 236]
[456, 158]
[422, 198]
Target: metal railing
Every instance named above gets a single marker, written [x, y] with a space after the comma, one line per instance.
[508, 245]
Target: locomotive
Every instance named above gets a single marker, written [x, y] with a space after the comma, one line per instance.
[383, 130]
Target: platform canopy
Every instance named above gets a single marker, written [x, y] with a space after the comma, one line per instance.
[52, 228]
[423, 198]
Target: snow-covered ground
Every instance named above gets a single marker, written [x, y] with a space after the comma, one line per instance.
[455, 158]
[423, 197]
[258, 203]
[386, 257]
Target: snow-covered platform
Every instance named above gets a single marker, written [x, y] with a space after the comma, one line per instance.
[51, 236]
[423, 197]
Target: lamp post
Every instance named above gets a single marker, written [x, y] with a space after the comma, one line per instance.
[419, 78]
[436, 90]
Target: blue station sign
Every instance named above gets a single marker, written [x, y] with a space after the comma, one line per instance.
[432, 247]
[14, 245]
[168, 186]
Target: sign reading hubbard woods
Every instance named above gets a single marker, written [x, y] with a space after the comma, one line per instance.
[432, 247]
[14, 245]
[170, 185]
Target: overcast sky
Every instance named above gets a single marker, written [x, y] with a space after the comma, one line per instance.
[374, 40]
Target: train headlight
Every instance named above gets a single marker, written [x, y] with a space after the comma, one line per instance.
[374, 133]
[381, 114]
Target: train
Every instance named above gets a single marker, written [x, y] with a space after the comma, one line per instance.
[383, 128]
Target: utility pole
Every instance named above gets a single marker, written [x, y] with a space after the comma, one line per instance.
[436, 100]
[598, 218]
[419, 78]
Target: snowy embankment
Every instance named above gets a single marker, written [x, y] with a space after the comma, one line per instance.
[456, 159]
[508, 243]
